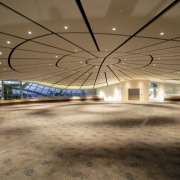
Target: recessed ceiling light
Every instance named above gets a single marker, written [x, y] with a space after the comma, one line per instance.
[76, 50]
[56, 56]
[4, 69]
[0, 53]
[65, 27]
[29, 32]
[159, 58]
[114, 29]
[8, 42]
[162, 33]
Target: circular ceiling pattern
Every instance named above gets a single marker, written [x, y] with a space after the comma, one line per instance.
[73, 45]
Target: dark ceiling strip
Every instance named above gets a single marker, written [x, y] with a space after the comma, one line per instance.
[59, 60]
[152, 45]
[123, 72]
[79, 76]
[9, 58]
[146, 25]
[106, 78]
[85, 81]
[65, 78]
[12, 35]
[127, 70]
[141, 29]
[52, 46]
[66, 72]
[43, 27]
[114, 73]
[87, 22]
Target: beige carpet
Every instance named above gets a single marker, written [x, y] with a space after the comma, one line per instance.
[90, 141]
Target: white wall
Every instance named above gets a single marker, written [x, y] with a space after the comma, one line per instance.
[143, 85]
[120, 91]
[112, 92]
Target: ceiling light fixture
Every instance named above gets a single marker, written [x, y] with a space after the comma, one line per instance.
[114, 29]
[65, 27]
[162, 33]
[8, 42]
[56, 56]
[4, 69]
[154, 64]
[0, 53]
[75, 50]
[159, 58]
[29, 32]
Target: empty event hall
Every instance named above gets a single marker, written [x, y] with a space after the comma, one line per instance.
[90, 89]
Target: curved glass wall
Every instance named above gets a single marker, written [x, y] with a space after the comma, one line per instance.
[17, 90]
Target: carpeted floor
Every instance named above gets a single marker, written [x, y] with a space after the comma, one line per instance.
[90, 141]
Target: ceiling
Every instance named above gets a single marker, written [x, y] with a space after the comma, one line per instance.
[73, 44]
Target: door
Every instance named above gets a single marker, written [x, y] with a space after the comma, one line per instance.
[133, 94]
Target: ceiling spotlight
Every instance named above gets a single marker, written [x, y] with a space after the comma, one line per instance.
[8, 42]
[76, 50]
[0, 53]
[159, 58]
[29, 32]
[162, 33]
[113, 29]
[65, 27]
[4, 69]
[56, 56]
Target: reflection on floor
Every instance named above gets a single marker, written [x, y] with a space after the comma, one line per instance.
[90, 141]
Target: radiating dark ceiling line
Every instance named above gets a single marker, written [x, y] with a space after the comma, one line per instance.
[106, 78]
[52, 46]
[155, 73]
[87, 22]
[13, 36]
[19, 49]
[59, 60]
[114, 73]
[160, 49]
[67, 71]
[79, 77]
[4, 5]
[146, 25]
[132, 72]
[85, 80]
[137, 32]
[65, 78]
[149, 46]
[123, 72]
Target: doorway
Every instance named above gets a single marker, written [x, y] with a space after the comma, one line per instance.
[133, 94]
